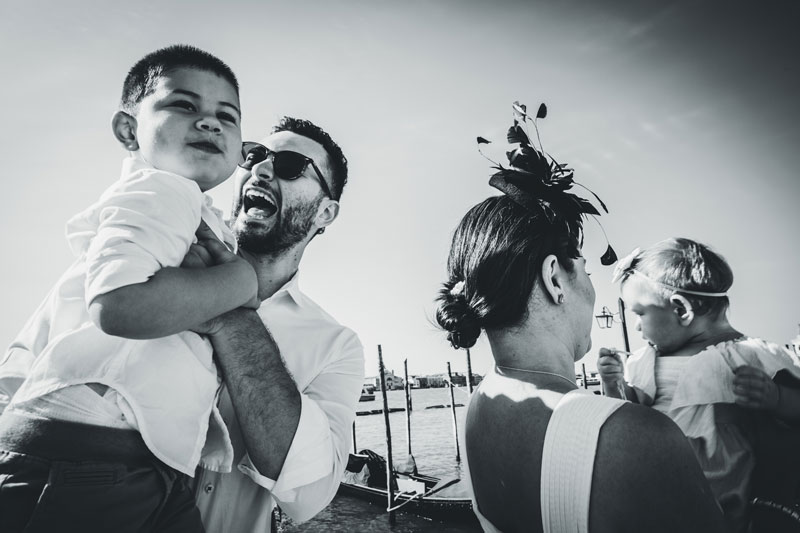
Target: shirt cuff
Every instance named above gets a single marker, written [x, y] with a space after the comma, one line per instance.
[310, 456]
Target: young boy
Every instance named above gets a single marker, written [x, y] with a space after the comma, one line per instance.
[117, 403]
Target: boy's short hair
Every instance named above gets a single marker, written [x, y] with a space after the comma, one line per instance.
[338, 162]
[144, 75]
[690, 265]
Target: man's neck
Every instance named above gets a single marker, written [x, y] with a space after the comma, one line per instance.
[273, 271]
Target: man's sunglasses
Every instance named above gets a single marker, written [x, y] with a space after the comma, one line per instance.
[286, 164]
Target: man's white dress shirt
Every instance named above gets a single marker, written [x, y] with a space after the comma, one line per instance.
[326, 361]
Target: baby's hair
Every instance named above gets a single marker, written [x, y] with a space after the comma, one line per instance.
[689, 265]
[495, 261]
[143, 77]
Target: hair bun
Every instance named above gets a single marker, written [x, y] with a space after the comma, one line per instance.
[456, 316]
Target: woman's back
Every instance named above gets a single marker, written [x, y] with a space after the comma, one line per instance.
[645, 477]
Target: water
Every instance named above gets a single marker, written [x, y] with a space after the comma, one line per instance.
[434, 449]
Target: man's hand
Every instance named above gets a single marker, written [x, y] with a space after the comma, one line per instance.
[754, 389]
[610, 367]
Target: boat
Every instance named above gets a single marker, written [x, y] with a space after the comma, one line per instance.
[367, 394]
[414, 493]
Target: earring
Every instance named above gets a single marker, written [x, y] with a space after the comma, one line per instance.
[560, 298]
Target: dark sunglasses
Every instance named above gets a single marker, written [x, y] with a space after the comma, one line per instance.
[286, 164]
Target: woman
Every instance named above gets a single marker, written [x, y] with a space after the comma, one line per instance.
[543, 455]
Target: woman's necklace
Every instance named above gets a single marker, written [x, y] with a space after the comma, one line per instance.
[573, 383]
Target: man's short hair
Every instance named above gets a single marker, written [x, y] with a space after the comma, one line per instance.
[143, 77]
[338, 162]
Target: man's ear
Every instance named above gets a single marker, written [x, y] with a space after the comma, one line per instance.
[327, 212]
[682, 308]
[124, 127]
[552, 279]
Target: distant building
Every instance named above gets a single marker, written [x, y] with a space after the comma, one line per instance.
[418, 382]
[459, 380]
[393, 382]
[436, 380]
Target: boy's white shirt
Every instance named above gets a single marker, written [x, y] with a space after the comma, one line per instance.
[145, 221]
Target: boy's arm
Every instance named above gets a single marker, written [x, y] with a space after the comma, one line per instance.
[176, 299]
[146, 224]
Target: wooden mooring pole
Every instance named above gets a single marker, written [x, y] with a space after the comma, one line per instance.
[469, 373]
[408, 407]
[355, 448]
[453, 406]
[389, 468]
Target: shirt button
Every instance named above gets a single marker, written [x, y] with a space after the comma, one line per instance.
[208, 488]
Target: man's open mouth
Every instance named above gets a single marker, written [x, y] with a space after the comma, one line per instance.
[206, 146]
[257, 204]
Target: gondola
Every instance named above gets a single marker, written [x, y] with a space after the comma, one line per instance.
[413, 492]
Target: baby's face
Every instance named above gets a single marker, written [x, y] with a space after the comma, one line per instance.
[191, 125]
[655, 315]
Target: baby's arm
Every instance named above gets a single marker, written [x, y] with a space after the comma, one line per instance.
[178, 298]
[612, 374]
[754, 389]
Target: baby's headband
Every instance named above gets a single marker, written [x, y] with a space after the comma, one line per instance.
[540, 184]
[624, 266]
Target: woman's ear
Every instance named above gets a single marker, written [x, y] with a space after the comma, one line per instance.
[124, 128]
[552, 279]
[682, 308]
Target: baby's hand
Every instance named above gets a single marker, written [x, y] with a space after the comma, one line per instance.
[610, 367]
[754, 389]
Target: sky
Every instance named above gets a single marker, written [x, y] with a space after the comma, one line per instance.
[682, 116]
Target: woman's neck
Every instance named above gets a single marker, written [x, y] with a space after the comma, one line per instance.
[522, 351]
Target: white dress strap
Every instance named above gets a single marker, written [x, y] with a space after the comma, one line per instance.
[568, 460]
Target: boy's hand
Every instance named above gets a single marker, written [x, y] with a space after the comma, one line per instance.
[210, 251]
[754, 389]
[610, 367]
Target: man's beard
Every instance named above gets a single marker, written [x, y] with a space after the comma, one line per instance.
[292, 227]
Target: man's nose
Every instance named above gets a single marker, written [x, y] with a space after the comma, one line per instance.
[209, 123]
[263, 170]
[638, 326]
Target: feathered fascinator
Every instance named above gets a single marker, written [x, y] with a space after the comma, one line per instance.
[540, 184]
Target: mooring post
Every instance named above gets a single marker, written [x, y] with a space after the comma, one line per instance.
[583, 373]
[355, 448]
[453, 406]
[408, 407]
[389, 467]
[469, 373]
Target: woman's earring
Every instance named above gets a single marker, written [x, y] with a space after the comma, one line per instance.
[561, 298]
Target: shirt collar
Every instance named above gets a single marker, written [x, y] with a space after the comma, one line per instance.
[291, 287]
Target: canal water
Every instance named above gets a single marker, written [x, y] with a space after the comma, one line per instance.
[434, 450]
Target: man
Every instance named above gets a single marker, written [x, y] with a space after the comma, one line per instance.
[288, 403]
[292, 374]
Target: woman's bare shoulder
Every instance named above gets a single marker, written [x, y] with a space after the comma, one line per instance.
[646, 470]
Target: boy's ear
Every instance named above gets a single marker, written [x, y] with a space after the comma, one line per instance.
[683, 308]
[124, 127]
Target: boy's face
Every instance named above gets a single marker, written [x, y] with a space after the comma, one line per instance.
[656, 317]
[191, 125]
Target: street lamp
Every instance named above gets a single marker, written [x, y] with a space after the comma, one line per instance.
[606, 319]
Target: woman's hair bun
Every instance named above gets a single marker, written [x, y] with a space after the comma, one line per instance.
[456, 316]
